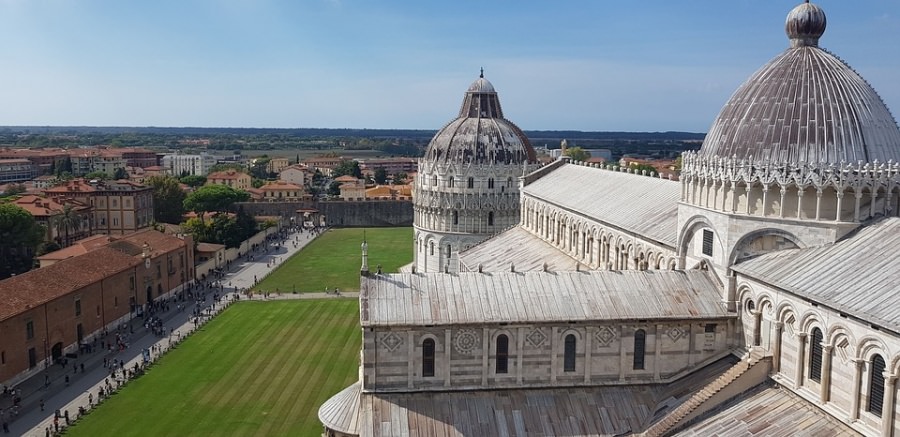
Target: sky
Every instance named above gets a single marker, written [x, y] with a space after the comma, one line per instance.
[590, 65]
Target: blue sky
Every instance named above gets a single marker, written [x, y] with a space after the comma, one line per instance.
[653, 65]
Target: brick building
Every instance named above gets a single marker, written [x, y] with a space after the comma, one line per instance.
[43, 317]
[119, 207]
[48, 211]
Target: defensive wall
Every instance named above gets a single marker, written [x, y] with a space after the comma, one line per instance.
[338, 213]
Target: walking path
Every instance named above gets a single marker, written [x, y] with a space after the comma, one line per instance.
[75, 386]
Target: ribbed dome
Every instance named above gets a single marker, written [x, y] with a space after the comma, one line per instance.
[805, 106]
[480, 134]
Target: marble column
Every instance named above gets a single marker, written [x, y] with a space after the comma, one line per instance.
[887, 408]
[776, 348]
[857, 383]
[801, 358]
[825, 385]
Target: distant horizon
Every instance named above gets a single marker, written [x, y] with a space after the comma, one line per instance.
[62, 127]
[657, 66]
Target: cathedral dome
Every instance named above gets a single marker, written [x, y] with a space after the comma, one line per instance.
[480, 134]
[805, 106]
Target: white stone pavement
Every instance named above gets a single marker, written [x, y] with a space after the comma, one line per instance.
[33, 422]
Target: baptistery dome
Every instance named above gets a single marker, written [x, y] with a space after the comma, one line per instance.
[480, 134]
[805, 106]
[467, 187]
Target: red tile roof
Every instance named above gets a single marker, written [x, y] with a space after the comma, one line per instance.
[39, 286]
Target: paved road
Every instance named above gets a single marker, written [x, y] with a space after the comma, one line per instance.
[61, 395]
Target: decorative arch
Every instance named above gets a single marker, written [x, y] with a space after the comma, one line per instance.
[578, 334]
[810, 320]
[869, 346]
[842, 341]
[690, 228]
[787, 314]
[746, 240]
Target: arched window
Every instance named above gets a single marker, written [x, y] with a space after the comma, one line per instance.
[491, 218]
[434, 180]
[470, 183]
[428, 357]
[455, 217]
[502, 354]
[509, 182]
[876, 386]
[432, 248]
[448, 251]
[490, 183]
[569, 359]
[815, 355]
[450, 183]
[640, 340]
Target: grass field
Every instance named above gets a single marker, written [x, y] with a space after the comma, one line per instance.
[259, 369]
[333, 260]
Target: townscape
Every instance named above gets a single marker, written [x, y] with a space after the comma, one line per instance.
[465, 281]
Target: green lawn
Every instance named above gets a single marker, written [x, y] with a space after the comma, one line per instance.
[259, 369]
[333, 260]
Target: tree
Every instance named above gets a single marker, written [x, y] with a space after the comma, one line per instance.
[260, 167]
[199, 229]
[578, 154]
[168, 199]
[64, 167]
[13, 189]
[334, 189]
[47, 247]
[347, 167]
[400, 178]
[97, 175]
[193, 181]
[226, 167]
[120, 174]
[67, 219]
[380, 176]
[20, 235]
[214, 198]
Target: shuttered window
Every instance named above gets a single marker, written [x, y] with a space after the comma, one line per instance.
[428, 357]
[502, 354]
[640, 340]
[815, 356]
[876, 386]
[569, 361]
[707, 242]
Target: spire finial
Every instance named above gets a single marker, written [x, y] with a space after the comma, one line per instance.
[364, 269]
[482, 73]
[805, 24]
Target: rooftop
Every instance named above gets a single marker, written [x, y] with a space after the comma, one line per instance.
[416, 299]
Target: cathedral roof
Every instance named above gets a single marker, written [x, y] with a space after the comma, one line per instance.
[855, 276]
[418, 299]
[519, 247]
[480, 134]
[642, 205]
[805, 106]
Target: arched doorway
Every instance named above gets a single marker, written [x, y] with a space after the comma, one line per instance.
[56, 351]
